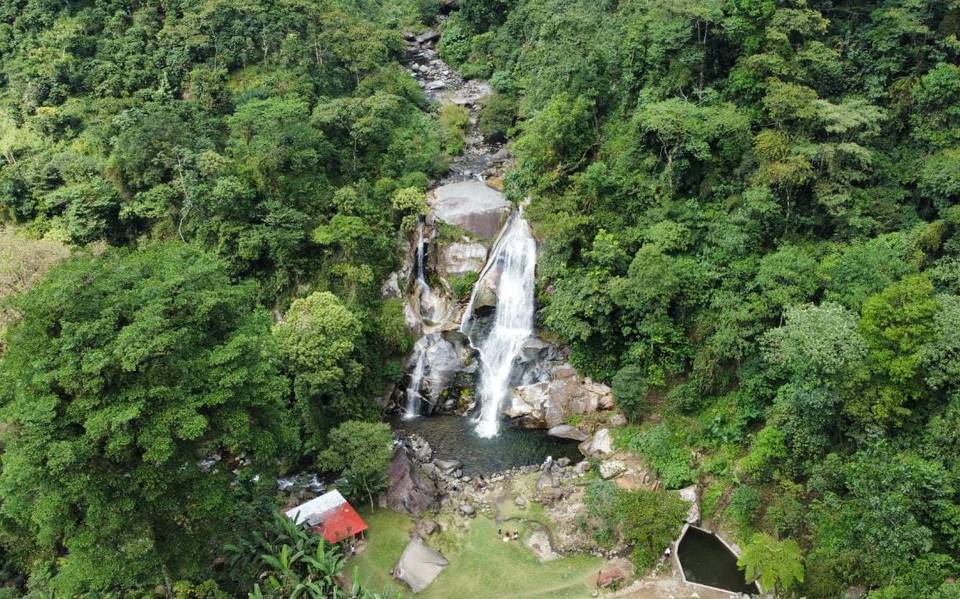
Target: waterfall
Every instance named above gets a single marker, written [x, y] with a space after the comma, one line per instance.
[419, 252]
[516, 256]
[412, 409]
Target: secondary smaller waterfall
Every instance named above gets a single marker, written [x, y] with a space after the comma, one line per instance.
[515, 255]
[412, 409]
[414, 397]
[421, 278]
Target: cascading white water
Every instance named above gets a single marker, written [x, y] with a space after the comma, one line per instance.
[412, 409]
[421, 278]
[515, 255]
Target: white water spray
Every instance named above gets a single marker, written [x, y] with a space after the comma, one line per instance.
[421, 278]
[412, 409]
[515, 254]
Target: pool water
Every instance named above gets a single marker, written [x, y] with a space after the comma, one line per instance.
[453, 438]
[706, 560]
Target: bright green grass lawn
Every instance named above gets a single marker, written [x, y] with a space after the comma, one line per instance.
[481, 565]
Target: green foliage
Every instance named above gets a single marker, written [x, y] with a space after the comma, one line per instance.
[361, 452]
[207, 589]
[747, 209]
[896, 324]
[745, 505]
[411, 204]
[282, 559]
[462, 285]
[768, 447]
[646, 520]
[650, 521]
[497, 115]
[666, 453]
[23, 262]
[454, 120]
[877, 486]
[600, 498]
[153, 361]
[630, 392]
[319, 340]
[775, 564]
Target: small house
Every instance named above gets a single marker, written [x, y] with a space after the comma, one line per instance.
[329, 515]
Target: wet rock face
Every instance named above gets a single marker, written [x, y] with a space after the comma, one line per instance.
[457, 259]
[409, 491]
[472, 206]
[444, 362]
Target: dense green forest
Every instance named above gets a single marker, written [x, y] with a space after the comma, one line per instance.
[749, 224]
[208, 162]
[750, 227]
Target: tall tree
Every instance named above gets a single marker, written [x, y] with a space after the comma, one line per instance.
[320, 340]
[127, 371]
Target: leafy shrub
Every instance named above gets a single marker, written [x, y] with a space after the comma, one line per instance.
[497, 116]
[683, 397]
[646, 520]
[600, 498]
[454, 120]
[712, 497]
[769, 446]
[667, 455]
[776, 564]
[393, 326]
[650, 521]
[745, 504]
[462, 285]
[630, 392]
[786, 511]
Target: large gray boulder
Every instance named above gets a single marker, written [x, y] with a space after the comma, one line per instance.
[527, 402]
[600, 445]
[410, 491]
[447, 467]
[551, 403]
[565, 431]
[486, 295]
[472, 206]
[419, 565]
[391, 287]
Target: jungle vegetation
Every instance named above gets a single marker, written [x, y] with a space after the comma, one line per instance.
[749, 224]
[750, 227]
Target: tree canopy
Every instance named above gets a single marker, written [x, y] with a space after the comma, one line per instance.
[126, 374]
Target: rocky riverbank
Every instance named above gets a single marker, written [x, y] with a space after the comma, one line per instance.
[547, 501]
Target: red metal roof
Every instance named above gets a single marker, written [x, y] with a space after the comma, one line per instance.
[340, 523]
